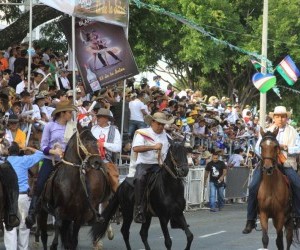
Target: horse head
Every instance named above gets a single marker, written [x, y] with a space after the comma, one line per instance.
[269, 150]
[81, 146]
[177, 157]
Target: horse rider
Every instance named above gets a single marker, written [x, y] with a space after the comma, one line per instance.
[12, 239]
[9, 181]
[149, 150]
[109, 142]
[287, 137]
[55, 137]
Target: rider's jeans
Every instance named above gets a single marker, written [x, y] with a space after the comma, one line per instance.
[44, 173]
[212, 195]
[295, 184]
[252, 198]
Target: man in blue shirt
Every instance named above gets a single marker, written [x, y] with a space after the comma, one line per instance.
[21, 164]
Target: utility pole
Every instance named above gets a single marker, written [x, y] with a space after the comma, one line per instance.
[264, 52]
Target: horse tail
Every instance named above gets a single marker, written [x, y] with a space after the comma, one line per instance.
[98, 229]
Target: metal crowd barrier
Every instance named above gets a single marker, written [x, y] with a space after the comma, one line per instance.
[197, 195]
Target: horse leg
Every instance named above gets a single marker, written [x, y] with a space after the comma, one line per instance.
[55, 239]
[264, 226]
[164, 227]
[65, 234]
[183, 225]
[144, 231]
[42, 226]
[127, 220]
[289, 233]
[76, 228]
[278, 224]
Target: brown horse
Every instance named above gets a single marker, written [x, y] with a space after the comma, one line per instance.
[75, 190]
[274, 194]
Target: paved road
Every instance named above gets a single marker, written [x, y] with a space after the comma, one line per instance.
[213, 231]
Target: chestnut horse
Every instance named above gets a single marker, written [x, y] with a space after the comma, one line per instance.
[274, 194]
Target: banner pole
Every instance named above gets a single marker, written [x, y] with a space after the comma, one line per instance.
[124, 88]
[73, 59]
[29, 46]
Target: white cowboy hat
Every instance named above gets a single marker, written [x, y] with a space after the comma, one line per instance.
[160, 117]
[280, 110]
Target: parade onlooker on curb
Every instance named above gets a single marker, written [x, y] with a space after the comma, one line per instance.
[217, 171]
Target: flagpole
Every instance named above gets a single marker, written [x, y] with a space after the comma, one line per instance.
[73, 59]
[264, 47]
[124, 92]
[29, 46]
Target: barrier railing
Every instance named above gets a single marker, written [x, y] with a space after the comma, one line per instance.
[197, 195]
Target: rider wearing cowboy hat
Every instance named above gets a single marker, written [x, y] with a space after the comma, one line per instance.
[54, 141]
[287, 137]
[149, 150]
[109, 142]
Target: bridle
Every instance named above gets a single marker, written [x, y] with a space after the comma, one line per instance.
[80, 147]
[176, 167]
[270, 170]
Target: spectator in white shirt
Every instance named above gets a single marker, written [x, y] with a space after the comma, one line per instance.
[137, 111]
[236, 160]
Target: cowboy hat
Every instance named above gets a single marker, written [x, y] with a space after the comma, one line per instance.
[280, 110]
[104, 112]
[160, 117]
[13, 118]
[39, 96]
[206, 155]
[63, 106]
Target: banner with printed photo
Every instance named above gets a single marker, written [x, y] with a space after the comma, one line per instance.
[103, 54]
[108, 11]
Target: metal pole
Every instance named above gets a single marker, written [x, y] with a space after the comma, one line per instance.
[30, 45]
[264, 47]
[124, 88]
[73, 59]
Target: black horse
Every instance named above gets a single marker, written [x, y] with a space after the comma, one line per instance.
[165, 200]
[74, 191]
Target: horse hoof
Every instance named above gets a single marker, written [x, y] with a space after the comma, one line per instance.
[110, 233]
[36, 245]
[98, 245]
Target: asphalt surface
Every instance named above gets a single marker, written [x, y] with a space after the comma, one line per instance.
[213, 231]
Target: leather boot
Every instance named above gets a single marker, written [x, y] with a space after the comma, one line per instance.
[249, 226]
[30, 219]
[139, 190]
[10, 186]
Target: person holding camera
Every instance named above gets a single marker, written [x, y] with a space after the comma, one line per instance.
[217, 171]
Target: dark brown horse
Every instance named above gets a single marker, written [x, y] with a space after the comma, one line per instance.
[274, 194]
[165, 200]
[75, 190]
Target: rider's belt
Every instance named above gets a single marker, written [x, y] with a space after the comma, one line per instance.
[25, 192]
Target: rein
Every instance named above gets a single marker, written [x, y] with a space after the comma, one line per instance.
[169, 170]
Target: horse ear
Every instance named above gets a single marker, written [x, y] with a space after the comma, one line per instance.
[262, 132]
[275, 131]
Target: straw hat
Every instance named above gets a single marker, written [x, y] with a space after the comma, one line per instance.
[13, 118]
[64, 106]
[160, 117]
[104, 112]
[280, 110]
